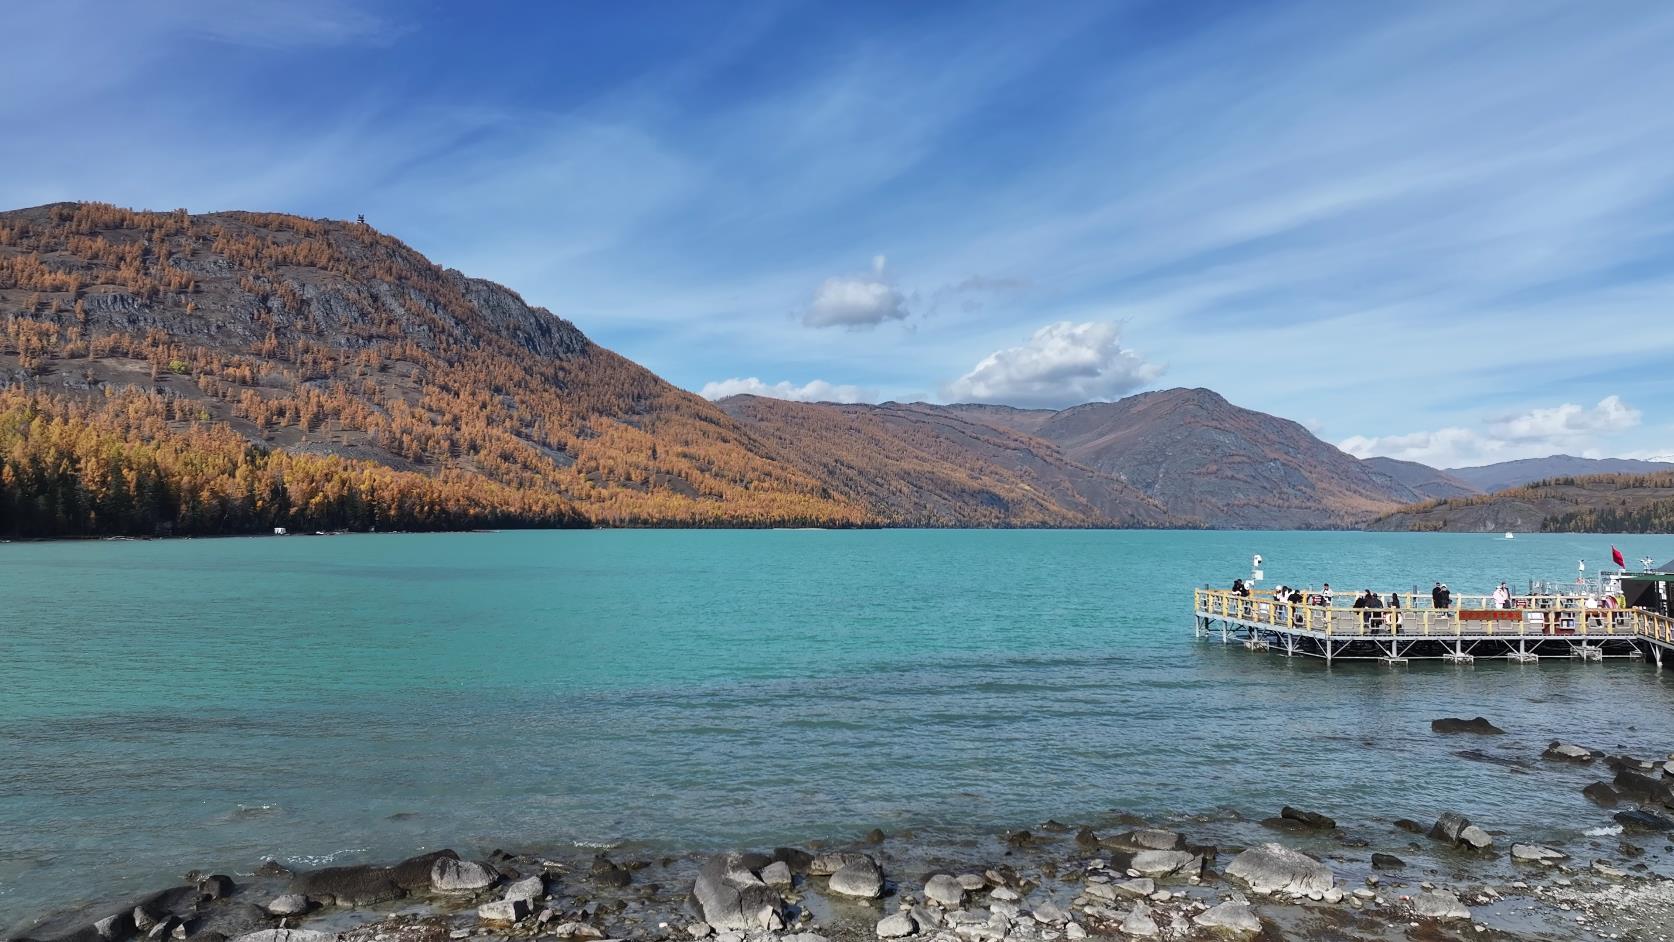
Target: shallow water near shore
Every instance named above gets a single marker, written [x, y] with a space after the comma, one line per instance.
[212, 703]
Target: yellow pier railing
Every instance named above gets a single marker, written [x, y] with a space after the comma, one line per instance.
[1543, 616]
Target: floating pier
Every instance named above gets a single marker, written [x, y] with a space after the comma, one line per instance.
[1534, 627]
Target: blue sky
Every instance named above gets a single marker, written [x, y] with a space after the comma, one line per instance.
[1442, 231]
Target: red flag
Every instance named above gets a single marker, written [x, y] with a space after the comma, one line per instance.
[1616, 555]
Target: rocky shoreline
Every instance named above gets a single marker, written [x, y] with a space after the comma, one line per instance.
[1299, 874]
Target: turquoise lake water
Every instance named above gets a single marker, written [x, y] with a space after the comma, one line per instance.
[211, 703]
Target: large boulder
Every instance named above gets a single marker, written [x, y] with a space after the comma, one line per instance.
[733, 897]
[1642, 820]
[1450, 827]
[286, 935]
[1145, 839]
[1312, 819]
[448, 875]
[355, 885]
[1231, 917]
[1439, 905]
[528, 889]
[824, 865]
[1567, 752]
[504, 911]
[1535, 853]
[896, 926]
[288, 904]
[945, 890]
[1275, 868]
[1644, 787]
[1452, 725]
[1602, 794]
[1140, 923]
[860, 878]
[1166, 863]
[414, 872]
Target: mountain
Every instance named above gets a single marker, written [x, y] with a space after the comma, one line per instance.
[1603, 503]
[233, 371]
[1199, 455]
[1421, 479]
[926, 465]
[1498, 477]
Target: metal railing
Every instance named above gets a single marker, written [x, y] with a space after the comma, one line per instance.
[1540, 615]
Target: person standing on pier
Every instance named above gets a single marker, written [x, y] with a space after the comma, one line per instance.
[1440, 597]
[1502, 597]
[1325, 593]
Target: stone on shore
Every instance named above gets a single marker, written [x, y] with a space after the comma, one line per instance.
[1275, 868]
[945, 890]
[505, 911]
[448, 875]
[1312, 819]
[1231, 917]
[825, 865]
[1140, 924]
[1602, 794]
[796, 859]
[1143, 839]
[1644, 787]
[414, 872]
[289, 904]
[286, 935]
[1453, 724]
[348, 886]
[528, 889]
[1139, 886]
[896, 926]
[777, 873]
[861, 878]
[1535, 853]
[732, 897]
[606, 872]
[1166, 863]
[972, 882]
[1641, 820]
[1051, 914]
[1387, 862]
[216, 886]
[1476, 838]
[1435, 904]
[1567, 752]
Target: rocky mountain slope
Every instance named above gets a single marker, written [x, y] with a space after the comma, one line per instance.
[932, 466]
[1605, 503]
[1231, 467]
[1499, 476]
[1421, 479]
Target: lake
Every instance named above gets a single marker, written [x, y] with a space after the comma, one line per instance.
[211, 703]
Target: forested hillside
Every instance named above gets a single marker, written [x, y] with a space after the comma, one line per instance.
[186, 335]
[1603, 503]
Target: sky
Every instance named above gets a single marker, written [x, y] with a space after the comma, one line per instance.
[1430, 230]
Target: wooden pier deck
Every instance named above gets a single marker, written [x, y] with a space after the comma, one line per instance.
[1533, 628]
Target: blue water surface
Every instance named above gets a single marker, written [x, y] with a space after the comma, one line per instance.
[210, 703]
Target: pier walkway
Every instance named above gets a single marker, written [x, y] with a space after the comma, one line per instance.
[1533, 628]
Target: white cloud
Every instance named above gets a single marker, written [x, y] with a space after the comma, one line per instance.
[1533, 434]
[814, 391]
[857, 302]
[1063, 364]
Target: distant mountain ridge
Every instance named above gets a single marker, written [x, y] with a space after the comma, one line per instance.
[1601, 503]
[1504, 474]
[233, 372]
